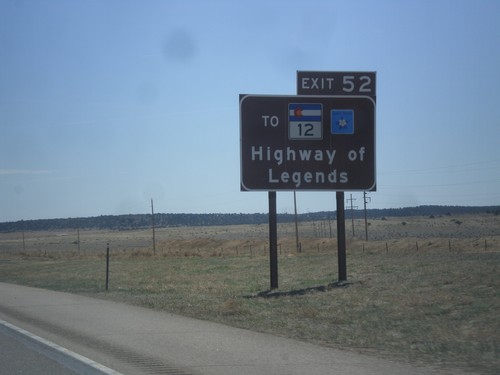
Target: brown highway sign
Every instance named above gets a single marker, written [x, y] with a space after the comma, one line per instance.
[307, 142]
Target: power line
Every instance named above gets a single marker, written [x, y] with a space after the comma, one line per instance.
[437, 169]
[444, 185]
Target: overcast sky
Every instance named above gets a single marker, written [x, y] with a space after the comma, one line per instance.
[105, 104]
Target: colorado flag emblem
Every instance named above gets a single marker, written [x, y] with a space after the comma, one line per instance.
[305, 121]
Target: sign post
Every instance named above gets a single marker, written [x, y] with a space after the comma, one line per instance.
[341, 242]
[273, 240]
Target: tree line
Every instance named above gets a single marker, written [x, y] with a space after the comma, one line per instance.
[140, 221]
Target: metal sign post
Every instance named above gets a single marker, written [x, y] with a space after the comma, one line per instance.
[341, 243]
[273, 240]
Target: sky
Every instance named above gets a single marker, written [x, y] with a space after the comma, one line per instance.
[107, 104]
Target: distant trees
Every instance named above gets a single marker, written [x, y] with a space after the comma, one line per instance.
[141, 221]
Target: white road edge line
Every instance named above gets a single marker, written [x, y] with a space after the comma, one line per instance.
[63, 356]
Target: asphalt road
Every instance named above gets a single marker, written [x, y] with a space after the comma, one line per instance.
[134, 340]
[19, 358]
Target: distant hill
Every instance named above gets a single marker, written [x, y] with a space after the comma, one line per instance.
[139, 221]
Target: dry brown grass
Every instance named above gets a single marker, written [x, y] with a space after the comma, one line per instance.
[416, 294]
[246, 239]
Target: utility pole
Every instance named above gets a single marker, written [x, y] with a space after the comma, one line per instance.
[153, 225]
[365, 201]
[78, 235]
[24, 242]
[352, 212]
[330, 225]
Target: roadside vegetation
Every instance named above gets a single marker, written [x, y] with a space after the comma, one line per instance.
[423, 299]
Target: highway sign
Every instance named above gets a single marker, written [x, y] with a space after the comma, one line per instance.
[307, 142]
[336, 83]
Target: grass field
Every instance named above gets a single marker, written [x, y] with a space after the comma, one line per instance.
[424, 290]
